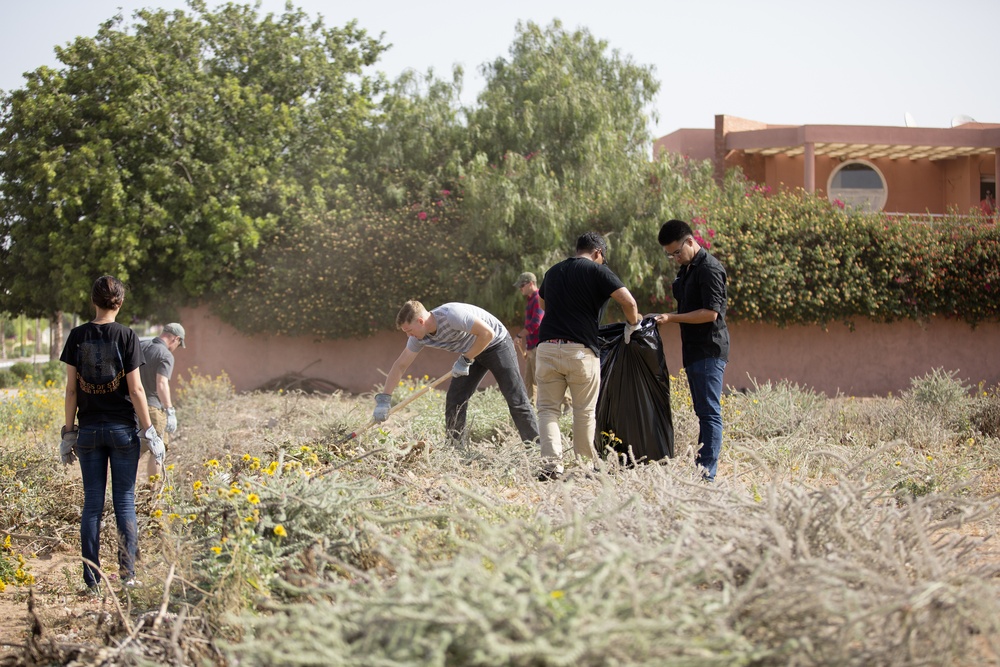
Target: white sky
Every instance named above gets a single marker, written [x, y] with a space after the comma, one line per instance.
[852, 62]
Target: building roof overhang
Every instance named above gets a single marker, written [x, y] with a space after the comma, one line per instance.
[871, 142]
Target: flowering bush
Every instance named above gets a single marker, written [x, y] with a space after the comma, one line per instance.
[13, 567]
[251, 518]
[793, 258]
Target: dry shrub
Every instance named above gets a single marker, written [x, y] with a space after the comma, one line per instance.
[650, 567]
[822, 543]
[986, 414]
[773, 410]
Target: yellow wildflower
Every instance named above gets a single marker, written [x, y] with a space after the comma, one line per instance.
[280, 531]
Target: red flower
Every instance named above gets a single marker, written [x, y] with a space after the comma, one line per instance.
[421, 216]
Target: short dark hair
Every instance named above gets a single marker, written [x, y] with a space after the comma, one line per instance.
[591, 241]
[674, 230]
[108, 293]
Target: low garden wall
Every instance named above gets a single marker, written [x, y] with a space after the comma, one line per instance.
[873, 359]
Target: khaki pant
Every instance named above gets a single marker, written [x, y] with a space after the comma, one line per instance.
[530, 381]
[159, 419]
[560, 367]
[529, 373]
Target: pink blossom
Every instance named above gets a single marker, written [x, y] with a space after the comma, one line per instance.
[421, 216]
[445, 193]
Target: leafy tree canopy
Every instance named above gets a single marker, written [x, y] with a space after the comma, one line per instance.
[167, 150]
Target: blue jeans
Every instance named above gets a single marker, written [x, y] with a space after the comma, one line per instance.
[501, 360]
[705, 380]
[98, 445]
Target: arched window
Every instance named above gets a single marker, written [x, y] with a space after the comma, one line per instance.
[858, 184]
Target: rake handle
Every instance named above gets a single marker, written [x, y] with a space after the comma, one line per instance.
[399, 406]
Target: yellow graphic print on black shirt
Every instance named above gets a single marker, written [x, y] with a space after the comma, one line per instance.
[101, 364]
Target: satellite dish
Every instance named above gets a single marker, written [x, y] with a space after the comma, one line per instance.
[962, 119]
[908, 120]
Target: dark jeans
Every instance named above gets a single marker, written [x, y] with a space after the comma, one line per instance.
[705, 380]
[97, 446]
[501, 360]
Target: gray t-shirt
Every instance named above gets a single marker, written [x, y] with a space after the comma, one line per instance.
[454, 327]
[159, 361]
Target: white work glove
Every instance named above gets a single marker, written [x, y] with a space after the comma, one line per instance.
[67, 448]
[382, 404]
[461, 367]
[154, 443]
[629, 329]
[171, 420]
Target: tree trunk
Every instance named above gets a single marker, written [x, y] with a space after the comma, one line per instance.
[3, 339]
[56, 336]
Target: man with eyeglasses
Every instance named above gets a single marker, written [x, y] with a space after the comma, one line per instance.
[573, 294]
[700, 292]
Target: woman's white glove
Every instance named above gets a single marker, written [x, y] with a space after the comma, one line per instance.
[154, 443]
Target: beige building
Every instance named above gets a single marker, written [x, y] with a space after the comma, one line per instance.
[913, 170]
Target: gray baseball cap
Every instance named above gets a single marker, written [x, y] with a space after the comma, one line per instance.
[175, 329]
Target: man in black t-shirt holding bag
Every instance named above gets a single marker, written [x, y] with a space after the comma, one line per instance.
[573, 294]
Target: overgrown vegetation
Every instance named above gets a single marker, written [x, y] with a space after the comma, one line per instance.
[269, 145]
[281, 539]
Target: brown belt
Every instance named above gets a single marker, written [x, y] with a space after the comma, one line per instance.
[560, 341]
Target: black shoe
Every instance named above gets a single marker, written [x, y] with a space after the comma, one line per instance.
[549, 476]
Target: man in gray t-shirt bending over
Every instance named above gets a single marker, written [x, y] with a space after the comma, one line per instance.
[482, 343]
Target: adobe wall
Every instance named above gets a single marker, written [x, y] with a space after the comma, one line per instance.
[872, 360]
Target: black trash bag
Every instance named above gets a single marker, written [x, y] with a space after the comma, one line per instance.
[633, 408]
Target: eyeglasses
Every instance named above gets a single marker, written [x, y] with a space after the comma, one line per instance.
[677, 253]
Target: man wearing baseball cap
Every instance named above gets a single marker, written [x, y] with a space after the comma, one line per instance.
[155, 375]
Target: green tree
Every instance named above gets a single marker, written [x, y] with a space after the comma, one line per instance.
[419, 143]
[168, 150]
[566, 96]
[562, 141]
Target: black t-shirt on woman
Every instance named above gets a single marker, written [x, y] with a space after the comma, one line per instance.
[103, 355]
